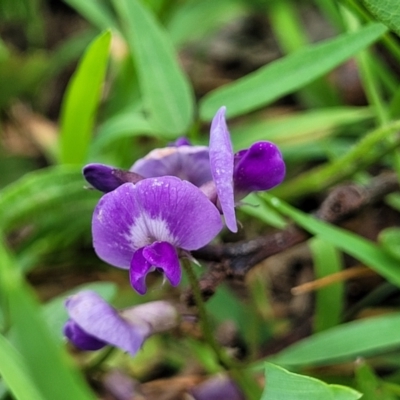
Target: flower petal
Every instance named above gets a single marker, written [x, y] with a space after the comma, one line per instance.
[187, 162]
[98, 319]
[80, 338]
[163, 255]
[138, 271]
[221, 163]
[260, 167]
[163, 209]
[105, 178]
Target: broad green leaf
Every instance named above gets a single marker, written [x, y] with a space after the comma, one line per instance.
[15, 374]
[362, 249]
[328, 300]
[167, 96]
[284, 385]
[345, 342]
[298, 128]
[287, 74]
[81, 101]
[386, 11]
[47, 365]
[54, 311]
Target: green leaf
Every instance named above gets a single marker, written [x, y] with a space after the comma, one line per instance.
[47, 365]
[298, 128]
[345, 342]
[284, 385]
[167, 96]
[287, 74]
[15, 374]
[362, 249]
[328, 300]
[390, 241]
[386, 11]
[81, 101]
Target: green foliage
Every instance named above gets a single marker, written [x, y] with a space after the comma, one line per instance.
[285, 385]
[287, 74]
[81, 101]
[386, 11]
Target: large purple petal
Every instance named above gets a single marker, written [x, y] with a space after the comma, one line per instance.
[221, 163]
[187, 162]
[138, 271]
[106, 178]
[162, 255]
[162, 209]
[98, 319]
[260, 167]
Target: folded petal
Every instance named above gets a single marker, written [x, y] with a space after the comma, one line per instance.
[106, 178]
[221, 163]
[187, 162]
[98, 319]
[80, 338]
[138, 271]
[164, 209]
[260, 167]
[163, 255]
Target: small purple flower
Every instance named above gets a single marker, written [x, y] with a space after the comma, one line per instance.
[93, 323]
[142, 226]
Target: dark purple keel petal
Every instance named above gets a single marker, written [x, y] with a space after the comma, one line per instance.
[138, 271]
[260, 167]
[105, 178]
[98, 319]
[182, 141]
[162, 255]
[80, 338]
[221, 163]
[190, 163]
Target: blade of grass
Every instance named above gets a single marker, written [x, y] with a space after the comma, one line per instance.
[46, 363]
[362, 249]
[287, 74]
[168, 98]
[15, 374]
[81, 101]
[328, 300]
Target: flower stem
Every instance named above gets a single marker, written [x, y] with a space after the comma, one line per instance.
[241, 376]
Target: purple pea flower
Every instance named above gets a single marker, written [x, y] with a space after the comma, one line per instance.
[215, 388]
[142, 226]
[223, 176]
[93, 323]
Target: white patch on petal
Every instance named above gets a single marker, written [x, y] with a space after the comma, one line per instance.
[147, 230]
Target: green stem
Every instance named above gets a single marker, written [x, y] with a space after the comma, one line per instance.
[98, 361]
[241, 376]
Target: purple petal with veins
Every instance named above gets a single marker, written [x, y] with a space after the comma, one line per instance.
[221, 163]
[260, 167]
[187, 162]
[93, 319]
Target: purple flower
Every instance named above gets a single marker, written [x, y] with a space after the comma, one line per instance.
[142, 226]
[93, 323]
[223, 176]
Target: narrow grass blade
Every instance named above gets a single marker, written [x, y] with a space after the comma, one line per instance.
[167, 96]
[81, 101]
[287, 74]
[15, 374]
